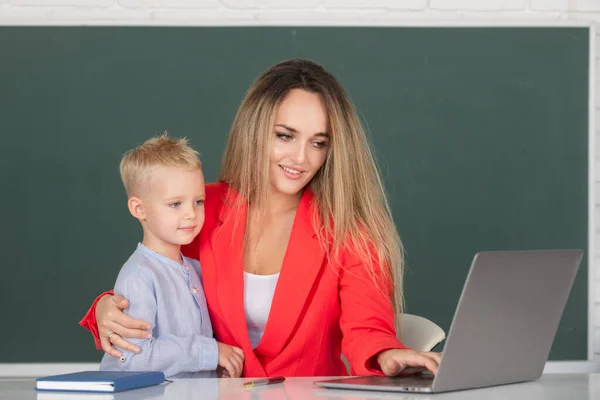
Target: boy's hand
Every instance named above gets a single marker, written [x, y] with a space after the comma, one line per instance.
[222, 372]
[232, 359]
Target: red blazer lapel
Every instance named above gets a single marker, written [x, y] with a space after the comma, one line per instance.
[227, 243]
[301, 264]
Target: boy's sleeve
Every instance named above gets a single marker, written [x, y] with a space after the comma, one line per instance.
[89, 320]
[167, 353]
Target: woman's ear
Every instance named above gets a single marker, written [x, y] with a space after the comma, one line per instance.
[136, 208]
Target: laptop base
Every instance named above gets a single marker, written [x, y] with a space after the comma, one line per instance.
[415, 383]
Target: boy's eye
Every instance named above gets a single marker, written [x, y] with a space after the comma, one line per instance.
[284, 136]
[199, 202]
[175, 204]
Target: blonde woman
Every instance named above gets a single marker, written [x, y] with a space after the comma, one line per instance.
[300, 258]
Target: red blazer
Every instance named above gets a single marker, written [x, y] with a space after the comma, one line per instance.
[319, 310]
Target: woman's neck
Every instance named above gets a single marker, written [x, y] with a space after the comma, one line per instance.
[281, 203]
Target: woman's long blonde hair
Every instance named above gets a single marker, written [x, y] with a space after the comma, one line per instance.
[350, 197]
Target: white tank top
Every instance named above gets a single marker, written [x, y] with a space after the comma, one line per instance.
[258, 295]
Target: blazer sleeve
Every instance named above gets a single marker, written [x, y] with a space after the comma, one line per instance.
[89, 320]
[367, 320]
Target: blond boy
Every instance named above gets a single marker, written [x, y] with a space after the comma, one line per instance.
[165, 188]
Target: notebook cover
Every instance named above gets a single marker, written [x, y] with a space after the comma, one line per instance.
[121, 380]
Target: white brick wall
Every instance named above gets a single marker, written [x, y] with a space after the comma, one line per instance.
[272, 4]
[487, 5]
[335, 12]
[386, 4]
[150, 4]
[62, 3]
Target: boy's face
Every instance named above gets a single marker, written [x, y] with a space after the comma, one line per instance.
[173, 206]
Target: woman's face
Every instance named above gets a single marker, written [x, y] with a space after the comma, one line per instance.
[300, 141]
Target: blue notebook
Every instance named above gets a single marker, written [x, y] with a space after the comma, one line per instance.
[99, 381]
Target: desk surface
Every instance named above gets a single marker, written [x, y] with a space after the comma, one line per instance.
[551, 386]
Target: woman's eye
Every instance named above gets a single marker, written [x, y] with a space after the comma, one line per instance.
[320, 145]
[284, 136]
[175, 204]
[199, 202]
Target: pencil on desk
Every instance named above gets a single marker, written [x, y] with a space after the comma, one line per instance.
[263, 382]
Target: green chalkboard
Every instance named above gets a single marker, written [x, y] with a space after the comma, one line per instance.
[481, 134]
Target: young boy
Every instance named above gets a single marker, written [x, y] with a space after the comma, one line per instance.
[165, 186]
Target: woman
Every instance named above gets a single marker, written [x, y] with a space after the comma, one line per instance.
[298, 230]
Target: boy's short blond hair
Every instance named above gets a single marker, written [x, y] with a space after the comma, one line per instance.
[160, 151]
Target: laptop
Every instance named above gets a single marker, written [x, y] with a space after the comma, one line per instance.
[503, 326]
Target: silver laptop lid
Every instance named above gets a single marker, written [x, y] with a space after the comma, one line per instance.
[506, 318]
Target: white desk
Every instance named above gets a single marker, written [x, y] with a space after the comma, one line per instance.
[551, 386]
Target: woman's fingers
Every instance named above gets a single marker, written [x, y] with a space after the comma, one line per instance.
[422, 360]
[117, 328]
[120, 301]
[395, 361]
[121, 330]
[436, 356]
[130, 323]
[124, 344]
[116, 339]
[107, 347]
[114, 326]
[122, 324]
[119, 333]
[391, 367]
[109, 308]
[431, 360]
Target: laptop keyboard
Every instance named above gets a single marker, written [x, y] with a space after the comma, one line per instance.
[417, 381]
[414, 381]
